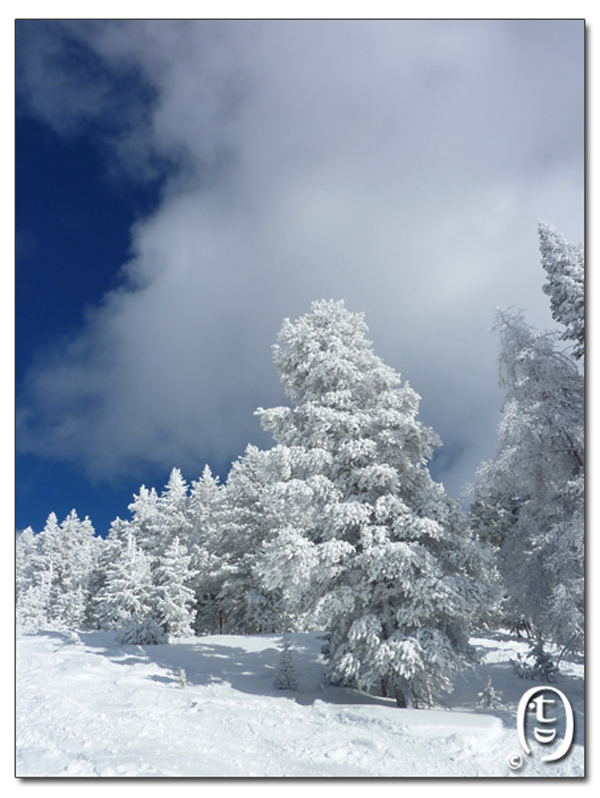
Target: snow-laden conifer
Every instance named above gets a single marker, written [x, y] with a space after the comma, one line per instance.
[49, 563]
[246, 518]
[173, 598]
[387, 565]
[70, 607]
[144, 525]
[285, 675]
[565, 284]
[79, 549]
[529, 500]
[25, 560]
[205, 497]
[53, 571]
[172, 514]
[31, 608]
[143, 632]
[128, 593]
[109, 552]
[489, 697]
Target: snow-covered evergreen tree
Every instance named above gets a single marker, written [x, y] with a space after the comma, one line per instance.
[144, 632]
[79, 552]
[536, 664]
[31, 608]
[489, 698]
[53, 572]
[149, 545]
[243, 521]
[109, 552]
[565, 285]
[173, 598]
[70, 608]
[128, 593]
[48, 563]
[205, 499]
[386, 562]
[144, 524]
[285, 675]
[25, 560]
[529, 500]
[173, 519]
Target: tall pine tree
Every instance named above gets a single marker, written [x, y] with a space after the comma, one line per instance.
[173, 596]
[529, 500]
[565, 284]
[387, 564]
[128, 594]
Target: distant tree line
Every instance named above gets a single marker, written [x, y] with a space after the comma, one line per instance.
[340, 526]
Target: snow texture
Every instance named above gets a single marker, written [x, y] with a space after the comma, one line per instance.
[87, 706]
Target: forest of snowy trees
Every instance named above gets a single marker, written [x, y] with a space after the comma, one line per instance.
[340, 527]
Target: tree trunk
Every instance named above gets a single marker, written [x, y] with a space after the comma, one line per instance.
[400, 699]
[403, 693]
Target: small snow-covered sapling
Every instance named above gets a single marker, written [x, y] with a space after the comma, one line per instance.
[489, 697]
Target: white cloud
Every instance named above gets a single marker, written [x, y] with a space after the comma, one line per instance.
[400, 166]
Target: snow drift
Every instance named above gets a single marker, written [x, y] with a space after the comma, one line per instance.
[89, 707]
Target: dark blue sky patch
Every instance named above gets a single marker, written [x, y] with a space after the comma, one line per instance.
[72, 233]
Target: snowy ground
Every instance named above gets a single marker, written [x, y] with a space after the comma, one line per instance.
[90, 707]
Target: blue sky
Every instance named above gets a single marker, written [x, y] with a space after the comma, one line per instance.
[181, 187]
[72, 235]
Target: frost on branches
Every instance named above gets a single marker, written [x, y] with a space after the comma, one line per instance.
[53, 573]
[235, 600]
[127, 594]
[565, 284]
[382, 559]
[529, 500]
[173, 596]
[285, 676]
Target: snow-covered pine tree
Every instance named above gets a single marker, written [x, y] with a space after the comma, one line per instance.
[489, 698]
[25, 560]
[31, 607]
[529, 500]
[31, 593]
[173, 596]
[128, 593]
[70, 609]
[144, 524]
[79, 552]
[53, 572]
[565, 284]
[285, 675]
[144, 632]
[205, 497]
[243, 521]
[387, 563]
[157, 521]
[109, 552]
[48, 562]
[173, 514]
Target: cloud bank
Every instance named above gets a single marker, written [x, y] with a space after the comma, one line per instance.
[399, 165]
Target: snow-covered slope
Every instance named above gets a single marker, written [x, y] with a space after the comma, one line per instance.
[89, 707]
